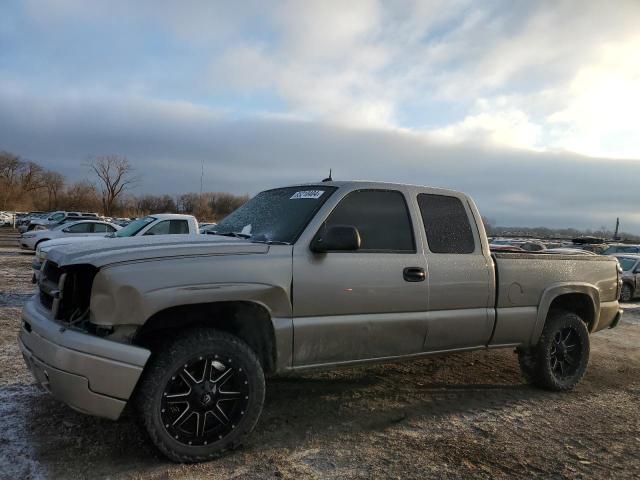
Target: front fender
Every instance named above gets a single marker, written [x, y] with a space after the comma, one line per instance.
[130, 293]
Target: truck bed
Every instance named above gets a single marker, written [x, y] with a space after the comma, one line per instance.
[523, 280]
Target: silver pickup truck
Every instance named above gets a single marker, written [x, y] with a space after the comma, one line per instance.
[302, 277]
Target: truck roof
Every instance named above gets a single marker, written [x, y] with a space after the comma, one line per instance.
[165, 216]
[373, 184]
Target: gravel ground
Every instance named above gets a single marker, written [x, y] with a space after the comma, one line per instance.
[460, 416]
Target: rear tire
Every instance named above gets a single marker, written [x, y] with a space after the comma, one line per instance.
[201, 396]
[559, 360]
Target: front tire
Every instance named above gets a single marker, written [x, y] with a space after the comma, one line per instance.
[201, 396]
[559, 360]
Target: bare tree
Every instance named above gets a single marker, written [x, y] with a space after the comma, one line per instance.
[10, 166]
[54, 183]
[80, 196]
[115, 174]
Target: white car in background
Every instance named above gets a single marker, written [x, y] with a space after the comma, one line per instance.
[158, 224]
[83, 228]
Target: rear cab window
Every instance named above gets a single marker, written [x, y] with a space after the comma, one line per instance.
[446, 224]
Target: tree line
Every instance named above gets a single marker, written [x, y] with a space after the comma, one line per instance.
[27, 186]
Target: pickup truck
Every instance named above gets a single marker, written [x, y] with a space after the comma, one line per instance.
[303, 277]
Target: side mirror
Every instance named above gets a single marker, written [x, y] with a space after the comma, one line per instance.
[336, 238]
[66, 230]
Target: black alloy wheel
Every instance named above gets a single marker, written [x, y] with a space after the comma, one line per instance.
[204, 400]
[565, 353]
[559, 360]
[201, 395]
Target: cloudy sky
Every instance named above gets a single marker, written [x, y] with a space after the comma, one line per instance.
[531, 107]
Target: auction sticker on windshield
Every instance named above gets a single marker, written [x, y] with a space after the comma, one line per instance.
[307, 194]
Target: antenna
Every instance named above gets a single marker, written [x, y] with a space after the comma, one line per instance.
[328, 179]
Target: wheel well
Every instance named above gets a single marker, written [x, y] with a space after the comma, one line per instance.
[577, 303]
[248, 321]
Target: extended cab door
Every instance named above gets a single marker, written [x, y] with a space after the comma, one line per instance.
[356, 305]
[460, 275]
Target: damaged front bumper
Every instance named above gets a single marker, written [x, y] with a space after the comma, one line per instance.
[88, 373]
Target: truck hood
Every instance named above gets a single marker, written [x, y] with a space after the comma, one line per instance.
[118, 250]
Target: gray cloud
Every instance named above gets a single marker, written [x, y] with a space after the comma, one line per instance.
[167, 141]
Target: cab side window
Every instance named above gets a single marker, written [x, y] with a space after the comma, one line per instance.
[179, 226]
[446, 224]
[381, 217]
[167, 227]
[161, 228]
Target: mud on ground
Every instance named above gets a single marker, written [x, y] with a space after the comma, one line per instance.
[461, 416]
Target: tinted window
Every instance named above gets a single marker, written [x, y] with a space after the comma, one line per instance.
[446, 224]
[161, 228]
[179, 226]
[101, 227]
[80, 228]
[381, 217]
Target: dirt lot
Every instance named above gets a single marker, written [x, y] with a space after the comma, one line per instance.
[460, 416]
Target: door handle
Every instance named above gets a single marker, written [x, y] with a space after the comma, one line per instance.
[414, 274]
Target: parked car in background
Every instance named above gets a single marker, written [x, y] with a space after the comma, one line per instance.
[83, 228]
[25, 220]
[630, 265]
[6, 218]
[568, 251]
[205, 227]
[532, 246]
[123, 222]
[504, 248]
[161, 224]
[621, 248]
[151, 225]
[58, 217]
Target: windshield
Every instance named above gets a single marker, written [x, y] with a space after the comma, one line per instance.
[134, 227]
[59, 226]
[626, 263]
[56, 218]
[277, 215]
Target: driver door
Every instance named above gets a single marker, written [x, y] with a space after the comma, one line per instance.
[358, 305]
